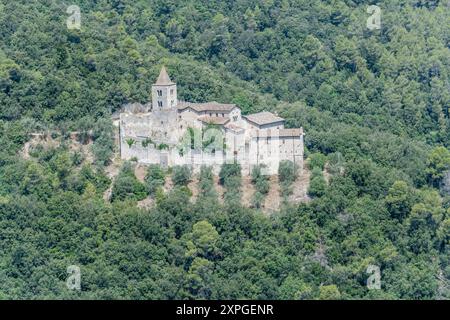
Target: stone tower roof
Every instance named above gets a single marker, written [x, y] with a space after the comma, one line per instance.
[164, 79]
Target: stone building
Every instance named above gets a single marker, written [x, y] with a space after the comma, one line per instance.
[171, 132]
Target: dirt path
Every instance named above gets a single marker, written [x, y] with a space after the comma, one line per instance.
[140, 171]
[112, 171]
[193, 186]
[147, 203]
[300, 188]
[168, 186]
[248, 190]
[37, 138]
[219, 189]
[273, 198]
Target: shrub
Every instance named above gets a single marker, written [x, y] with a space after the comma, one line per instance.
[104, 145]
[229, 170]
[260, 181]
[317, 160]
[258, 200]
[127, 186]
[155, 178]
[336, 163]
[181, 175]
[318, 185]
[287, 171]
[233, 190]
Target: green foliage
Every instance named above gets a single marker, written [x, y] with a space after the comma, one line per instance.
[229, 170]
[126, 186]
[379, 100]
[104, 144]
[155, 178]
[203, 240]
[260, 180]
[287, 174]
[262, 186]
[438, 164]
[317, 160]
[181, 175]
[287, 171]
[163, 146]
[399, 200]
[330, 292]
[318, 185]
[130, 142]
[147, 142]
[336, 164]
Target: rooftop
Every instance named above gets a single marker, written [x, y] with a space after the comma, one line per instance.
[208, 106]
[234, 127]
[214, 120]
[164, 79]
[263, 118]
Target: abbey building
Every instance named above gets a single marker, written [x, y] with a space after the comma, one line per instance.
[170, 132]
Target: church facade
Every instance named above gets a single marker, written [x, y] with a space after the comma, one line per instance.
[170, 132]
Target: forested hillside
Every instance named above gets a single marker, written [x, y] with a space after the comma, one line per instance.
[374, 105]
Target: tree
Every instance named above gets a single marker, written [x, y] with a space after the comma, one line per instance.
[317, 160]
[330, 292]
[181, 175]
[204, 238]
[104, 145]
[294, 289]
[318, 185]
[438, 164]
[126, 185]
[155, 178]
[287, 171]
[399, 200]
[229, 170]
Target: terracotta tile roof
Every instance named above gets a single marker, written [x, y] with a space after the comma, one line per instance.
[263, 118]
[214, 120]
[208, 106]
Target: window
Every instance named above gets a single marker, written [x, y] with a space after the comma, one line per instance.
[160, 104]
[235, 118]
[172, 103]
[217, 114]
[171, 92]
[159, 93]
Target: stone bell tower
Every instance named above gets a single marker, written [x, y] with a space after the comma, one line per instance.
[164, 92]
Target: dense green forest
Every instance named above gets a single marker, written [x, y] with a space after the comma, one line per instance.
[375, 106]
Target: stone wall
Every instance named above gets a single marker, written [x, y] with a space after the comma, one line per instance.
[247, 147]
